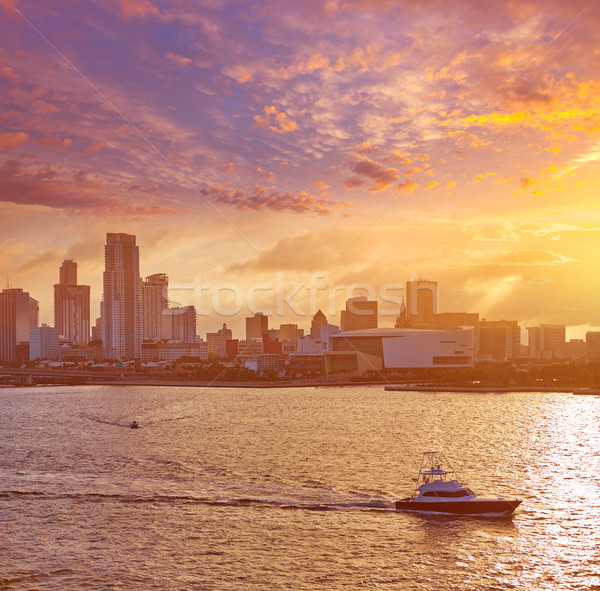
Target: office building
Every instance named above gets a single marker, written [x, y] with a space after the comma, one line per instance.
[499, 340]
[18, 314]
[155, 299]
[179, 324]
[71, 306]
[592, 347]
[319, 320]
[217, 341]
[121, 309]
[44, 342]
[256, 326]
[289, 332]
[546, 341]
[422, 302]
[359, 314]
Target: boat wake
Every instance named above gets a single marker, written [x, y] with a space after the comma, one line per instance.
[219, 501]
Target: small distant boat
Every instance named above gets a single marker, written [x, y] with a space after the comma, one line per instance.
[438, 489]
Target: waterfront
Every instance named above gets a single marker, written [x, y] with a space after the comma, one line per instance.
[291, 488]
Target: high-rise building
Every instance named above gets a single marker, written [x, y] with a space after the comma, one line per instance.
[71, 306]
[44, 342]
[121, 305]
[179, 324]
[97, 331]
[155, 299]
[256, 326]
[319, 320]
[68, 273]
[360, 313]
[422, 302]
[18, 314]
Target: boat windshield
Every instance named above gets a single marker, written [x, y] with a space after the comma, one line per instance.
[465, 492]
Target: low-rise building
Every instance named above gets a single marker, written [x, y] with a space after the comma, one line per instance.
[375, 350]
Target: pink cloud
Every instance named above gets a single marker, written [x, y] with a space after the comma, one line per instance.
[8, 5]
[95, 147]
[260, 197]
[78, 193]
[384, 177]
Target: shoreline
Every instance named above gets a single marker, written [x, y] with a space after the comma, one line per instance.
[388, 386]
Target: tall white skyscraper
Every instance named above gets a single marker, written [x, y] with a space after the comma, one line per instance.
[122, 301]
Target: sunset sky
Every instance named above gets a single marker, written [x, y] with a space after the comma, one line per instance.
[287, 144]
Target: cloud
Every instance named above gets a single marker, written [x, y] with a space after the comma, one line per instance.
[47, 187]
[384, 177]
[179, 60]
[531, 257]
[8, 5]
[274, 120]
[303, 252]
[12, 139]
[260, 197]
[41, 261]
[138, 9]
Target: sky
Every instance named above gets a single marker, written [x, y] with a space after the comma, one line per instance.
[282, 156]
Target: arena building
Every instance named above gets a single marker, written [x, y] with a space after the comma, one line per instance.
[360, 351]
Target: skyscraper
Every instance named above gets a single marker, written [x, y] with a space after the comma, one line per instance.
[422, 302]
[154, 300]
[121, 305]
[359, 314]
[256, 326]
[71, 306]
[18, 314]
[318, 321]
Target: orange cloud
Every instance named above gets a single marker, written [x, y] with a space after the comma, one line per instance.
[12, 139]
[56, 144]
[179, 59]
[8, 4]
[274, 120]
[306, 65]
[138, 8]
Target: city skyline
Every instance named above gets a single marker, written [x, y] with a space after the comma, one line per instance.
[243, 142]
[144, 307]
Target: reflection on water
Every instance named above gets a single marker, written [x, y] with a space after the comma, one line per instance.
[292, 489]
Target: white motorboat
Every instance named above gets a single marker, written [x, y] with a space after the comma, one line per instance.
[438, 489]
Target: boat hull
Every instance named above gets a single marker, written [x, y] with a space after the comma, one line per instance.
[470, 507]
